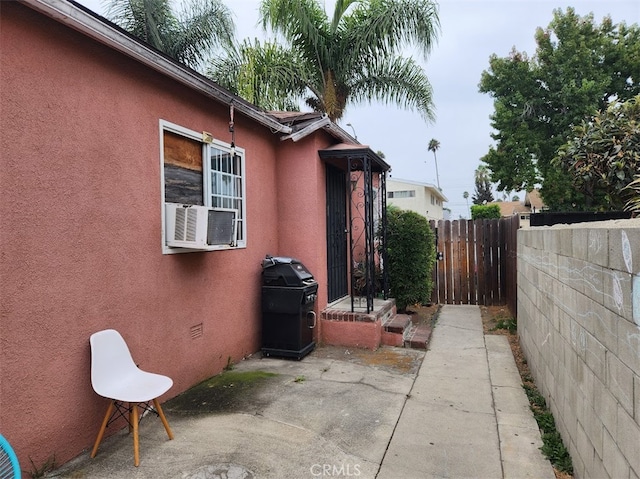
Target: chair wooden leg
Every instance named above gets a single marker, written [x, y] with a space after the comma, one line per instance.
[102, 428]
[136, 442]
[156, 403]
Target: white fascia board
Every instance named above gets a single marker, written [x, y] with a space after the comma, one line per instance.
[307, 130]
[78, 19]
[324, 123]
[339, 133]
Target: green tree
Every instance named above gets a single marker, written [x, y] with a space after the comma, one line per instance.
[483, 193]
[353, 56]
[603, 155]
[633, 189]
[411, 257]
[578, 66]
[187, 36]
[485, 211]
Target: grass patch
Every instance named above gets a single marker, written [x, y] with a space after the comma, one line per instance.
[227, 391]
[552, 445]
[230, 378]
[508, 324]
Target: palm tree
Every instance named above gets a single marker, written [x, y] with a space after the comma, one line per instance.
[187, 37]
[434, 145]
[465, 195]
[483, 193]
[482, 174]
[353, 57]
[264, 74]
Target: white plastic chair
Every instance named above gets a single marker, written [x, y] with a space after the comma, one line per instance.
[115, 376]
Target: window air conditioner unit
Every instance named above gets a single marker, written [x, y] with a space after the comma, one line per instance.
[200, 227]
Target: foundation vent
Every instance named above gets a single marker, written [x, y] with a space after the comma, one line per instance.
[196, 331]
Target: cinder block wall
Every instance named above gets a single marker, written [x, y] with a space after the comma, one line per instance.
[579, 327]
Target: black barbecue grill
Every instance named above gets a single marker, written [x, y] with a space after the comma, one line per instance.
[289, 293]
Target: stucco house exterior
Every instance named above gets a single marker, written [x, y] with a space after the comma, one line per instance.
[99, 134]
[423, 198]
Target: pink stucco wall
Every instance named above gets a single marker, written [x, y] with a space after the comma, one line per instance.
[81, 235]
[302, 205]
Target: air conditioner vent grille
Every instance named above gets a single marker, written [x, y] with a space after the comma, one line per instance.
[186, 224]
[181, 218]
[220, 227]
[192, 224]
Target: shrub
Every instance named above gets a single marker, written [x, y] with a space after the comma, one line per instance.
[411, 257]
[485, 211]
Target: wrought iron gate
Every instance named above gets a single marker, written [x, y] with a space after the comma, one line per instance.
[336, 233]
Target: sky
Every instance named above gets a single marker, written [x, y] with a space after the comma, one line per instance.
[471, 31]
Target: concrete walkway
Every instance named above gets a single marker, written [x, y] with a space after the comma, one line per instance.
[457, 411]
[467, 415]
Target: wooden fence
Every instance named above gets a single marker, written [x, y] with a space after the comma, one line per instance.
[477, 262]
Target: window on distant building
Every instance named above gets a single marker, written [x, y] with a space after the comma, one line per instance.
[204, 172]
[401, 194]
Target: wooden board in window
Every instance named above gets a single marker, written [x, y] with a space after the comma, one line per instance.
[182, 170]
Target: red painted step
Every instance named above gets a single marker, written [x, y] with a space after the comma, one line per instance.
[419, 337]
[398, 323]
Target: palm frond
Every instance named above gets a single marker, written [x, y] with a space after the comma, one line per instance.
[223, 69]
[188, 37]
[386, 26]
[268, 75]
[340, 9]
[203, 25]
[294, 19]
[396, 80]
[146, 19]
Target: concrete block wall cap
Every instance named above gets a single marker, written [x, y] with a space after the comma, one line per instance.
[609, 224]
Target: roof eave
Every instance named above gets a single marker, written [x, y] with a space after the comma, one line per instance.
[307, 130]
[92, 26]
[323, 123]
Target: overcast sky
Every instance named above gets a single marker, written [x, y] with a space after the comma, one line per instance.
[471, 30]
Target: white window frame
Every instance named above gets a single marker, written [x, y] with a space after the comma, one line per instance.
[207, 146]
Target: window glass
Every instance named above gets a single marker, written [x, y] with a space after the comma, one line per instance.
[226, 183]
[401, 194]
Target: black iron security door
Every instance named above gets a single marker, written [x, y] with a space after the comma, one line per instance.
[336, 233]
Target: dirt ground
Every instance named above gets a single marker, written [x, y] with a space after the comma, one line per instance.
[423, 314]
